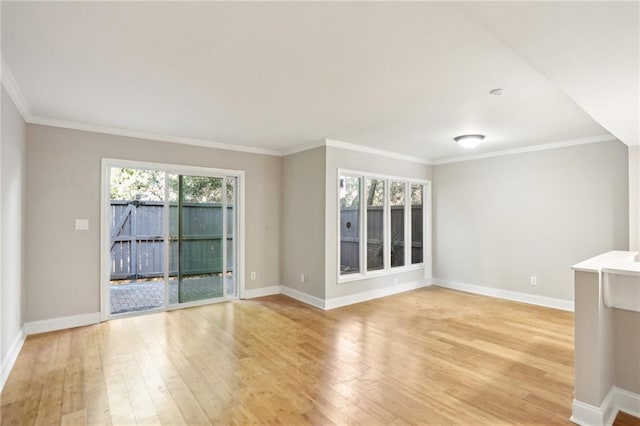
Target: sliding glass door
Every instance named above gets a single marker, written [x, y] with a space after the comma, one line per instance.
[202, 239]
[173, 238]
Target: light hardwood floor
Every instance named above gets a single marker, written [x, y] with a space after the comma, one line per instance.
[431, 356]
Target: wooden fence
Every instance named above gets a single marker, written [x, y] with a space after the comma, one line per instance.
[138, 243]
[350, 240]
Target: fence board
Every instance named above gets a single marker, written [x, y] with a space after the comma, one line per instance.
[137, 249]
[350, 238]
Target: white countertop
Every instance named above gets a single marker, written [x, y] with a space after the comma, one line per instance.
[617, 262]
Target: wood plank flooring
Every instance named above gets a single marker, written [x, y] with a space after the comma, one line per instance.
[430, 356]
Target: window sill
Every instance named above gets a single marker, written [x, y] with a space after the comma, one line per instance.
[343, 279]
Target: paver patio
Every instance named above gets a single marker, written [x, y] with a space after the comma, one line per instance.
[142, 296]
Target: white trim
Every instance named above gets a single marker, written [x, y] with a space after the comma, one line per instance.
[173, 168]
[408, 225]
[379, 176]
[194, 304]
[589, 415]
[130, 314]
[363, 274]
[302, 297]
[16, 94]
[375, 151]
[240, 235]
[380, 273]
[302, 148]
[105, 231]
[626, 401]
[532, 299]
[225, 237]
[12, 355]
[530, 148]
[74, 125]
[338, 302]
[166, 231]
[616, 400]
[61, 323]
[427, 233]
[105, 236]
[261, 292]
[14, 91]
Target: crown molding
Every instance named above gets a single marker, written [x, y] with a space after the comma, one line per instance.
[353, 147]
[375, 151]
[532, 148]
[14, 92]
[65, 124]
[16, 95]
[301, 148]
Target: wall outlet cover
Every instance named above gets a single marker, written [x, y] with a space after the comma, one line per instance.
[82, 224]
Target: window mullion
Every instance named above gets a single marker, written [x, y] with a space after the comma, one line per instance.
[407, 224]
[363, 224]
[387, 224]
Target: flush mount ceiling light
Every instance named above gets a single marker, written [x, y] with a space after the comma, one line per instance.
[469, 141]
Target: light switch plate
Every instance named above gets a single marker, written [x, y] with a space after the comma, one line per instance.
[82, 224]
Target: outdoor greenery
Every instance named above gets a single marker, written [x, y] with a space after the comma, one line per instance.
[149, 185]
[350, 192]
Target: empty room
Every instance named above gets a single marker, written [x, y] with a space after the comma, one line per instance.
[327, 213]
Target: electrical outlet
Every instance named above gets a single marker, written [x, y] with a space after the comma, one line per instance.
[302, 278]
[533, 280]
[395, 281]
[253, 276]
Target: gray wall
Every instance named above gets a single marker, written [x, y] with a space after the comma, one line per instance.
[343, 159]
[500, 220]
[626, 352]
[303, 189]
[64, 171]
[12, 167]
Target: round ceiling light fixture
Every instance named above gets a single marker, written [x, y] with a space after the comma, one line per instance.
[469, 141]
[496, 92]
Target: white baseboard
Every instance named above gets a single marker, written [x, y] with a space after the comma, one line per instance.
[35, 327]
[351, 299]
[626, 401]
[589, 415]
[338, 302]
[261, 292]
[303, 297]
[11, 357]
[532, 299]
[616, 400]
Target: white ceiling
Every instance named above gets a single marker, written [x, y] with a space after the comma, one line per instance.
[589, 50]
[403, 77]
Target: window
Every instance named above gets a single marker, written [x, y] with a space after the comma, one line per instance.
[349, 225]
[397, 198]
[383, 233]
[375, 224]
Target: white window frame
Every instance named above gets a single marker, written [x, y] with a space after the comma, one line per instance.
[426, 228]
[363, 234]
[105, 231]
